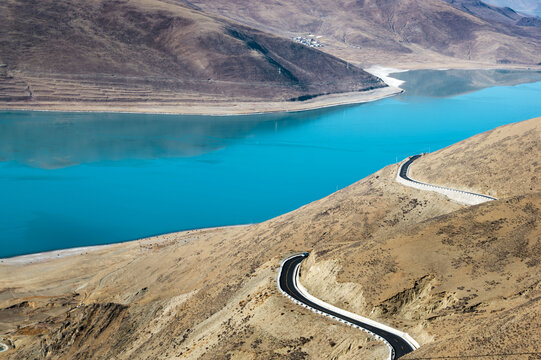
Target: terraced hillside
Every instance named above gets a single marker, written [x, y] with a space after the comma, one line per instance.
[77, 52]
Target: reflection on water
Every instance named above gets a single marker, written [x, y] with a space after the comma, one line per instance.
[52, 140]
[443, 83]
[77, 179]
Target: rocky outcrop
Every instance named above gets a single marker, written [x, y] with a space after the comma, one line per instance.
[81, 330]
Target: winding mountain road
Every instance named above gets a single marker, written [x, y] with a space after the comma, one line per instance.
[399, 343]
[461, 196]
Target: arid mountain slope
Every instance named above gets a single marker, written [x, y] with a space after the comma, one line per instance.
[454, 165]
[452, 276]
[154, 51]
[403, 33]
[462, 277]
[470, 278]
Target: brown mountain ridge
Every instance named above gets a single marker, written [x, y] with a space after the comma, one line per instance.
[398, 33]
[152, 50]
[228, 56]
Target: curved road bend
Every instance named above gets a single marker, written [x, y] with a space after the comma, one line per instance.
[287, 283]
[404, 170]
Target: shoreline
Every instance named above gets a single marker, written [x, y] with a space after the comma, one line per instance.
[53, 254]
[63, 253]
[383, 73]
[227, 108]
[231, 108]
[380, 71]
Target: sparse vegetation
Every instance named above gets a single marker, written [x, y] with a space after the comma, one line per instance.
[461, 280]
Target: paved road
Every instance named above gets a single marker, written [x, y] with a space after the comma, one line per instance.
[287, 283]
[397, 340]
[403, 173]
[405, 167]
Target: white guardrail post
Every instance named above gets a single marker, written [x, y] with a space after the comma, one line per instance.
[304, 292]
[460, 196]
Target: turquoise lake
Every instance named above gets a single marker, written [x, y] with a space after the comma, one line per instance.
[78, 179]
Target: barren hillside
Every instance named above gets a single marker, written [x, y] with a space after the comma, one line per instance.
[460, 280]
[154, 52]
[403, 33]
[454, 165]
[224, 57]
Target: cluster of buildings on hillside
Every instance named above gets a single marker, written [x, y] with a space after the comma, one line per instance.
[309, 41]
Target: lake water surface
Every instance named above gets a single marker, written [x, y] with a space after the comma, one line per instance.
[78, 179]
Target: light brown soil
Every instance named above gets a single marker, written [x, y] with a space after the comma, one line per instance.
[474, 164]
[462, 281]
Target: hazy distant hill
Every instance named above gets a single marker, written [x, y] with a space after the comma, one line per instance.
[530, 7]
[516, 23]
[397, 32]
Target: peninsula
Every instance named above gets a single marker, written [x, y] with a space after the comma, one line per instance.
[236, 57]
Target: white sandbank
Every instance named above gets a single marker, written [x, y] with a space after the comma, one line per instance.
[383, 74]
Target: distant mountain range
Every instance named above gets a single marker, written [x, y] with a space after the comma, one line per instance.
[518, 23]
[406, 33]
[530, 7]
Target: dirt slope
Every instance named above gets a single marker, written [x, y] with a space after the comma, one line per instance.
[154, 51]
[403, 33]
[454, 165]
[453, 277]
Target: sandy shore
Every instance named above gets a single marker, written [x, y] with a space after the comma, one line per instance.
[62, 253]
[222, 108]
[55, 254]
[384, 72]
[226, 107]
